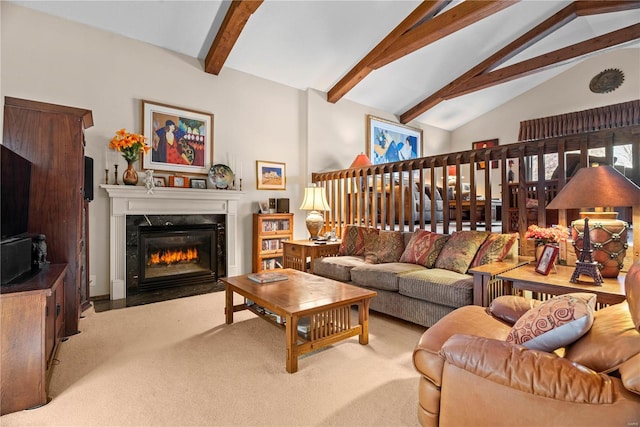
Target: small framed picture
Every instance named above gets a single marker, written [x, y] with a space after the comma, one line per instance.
[547, 259]
[178, 181]
[198, 183]
[263, 207]
[159, 181]
[271, 175]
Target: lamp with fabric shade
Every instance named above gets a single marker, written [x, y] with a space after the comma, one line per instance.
[599, 187]
[361, 161]
[315, 199]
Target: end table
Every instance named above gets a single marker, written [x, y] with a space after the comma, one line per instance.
[297, 253]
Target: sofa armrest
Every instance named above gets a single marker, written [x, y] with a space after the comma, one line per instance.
[529, 371]
[486, 286]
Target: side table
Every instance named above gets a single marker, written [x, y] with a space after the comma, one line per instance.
[297, 253]
[526, 278]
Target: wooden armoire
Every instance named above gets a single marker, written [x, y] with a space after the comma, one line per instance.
[51, 137]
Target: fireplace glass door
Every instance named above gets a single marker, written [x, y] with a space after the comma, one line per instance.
[176, 255]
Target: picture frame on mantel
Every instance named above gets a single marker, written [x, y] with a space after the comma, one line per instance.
[181, 140]
[388, 141]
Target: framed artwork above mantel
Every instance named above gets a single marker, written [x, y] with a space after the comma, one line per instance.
[181, 139]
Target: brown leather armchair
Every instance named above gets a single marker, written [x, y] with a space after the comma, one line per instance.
[472, 377]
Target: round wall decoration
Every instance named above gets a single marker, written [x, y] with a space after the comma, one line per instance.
[606, 81]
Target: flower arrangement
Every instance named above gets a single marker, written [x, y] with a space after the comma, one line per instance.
[547, 235]
[129, 144]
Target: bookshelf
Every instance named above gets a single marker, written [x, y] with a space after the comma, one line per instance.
[269, 233]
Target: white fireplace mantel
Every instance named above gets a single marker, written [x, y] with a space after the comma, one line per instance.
[135, 200]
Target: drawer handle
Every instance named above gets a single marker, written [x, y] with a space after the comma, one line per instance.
[58, 309]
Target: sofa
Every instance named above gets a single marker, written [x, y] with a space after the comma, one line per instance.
[419, 276]
[577, 367]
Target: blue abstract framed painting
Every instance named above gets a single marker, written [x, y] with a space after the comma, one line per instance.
[271, 175]
[392, 142]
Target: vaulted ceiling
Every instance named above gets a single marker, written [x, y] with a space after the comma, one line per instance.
[442, 63]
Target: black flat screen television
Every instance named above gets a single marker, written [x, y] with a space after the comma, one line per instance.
[15, 184]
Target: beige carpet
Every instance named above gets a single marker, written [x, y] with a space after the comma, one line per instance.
[176, 363]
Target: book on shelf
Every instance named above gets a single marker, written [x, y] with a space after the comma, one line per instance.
[267, 277]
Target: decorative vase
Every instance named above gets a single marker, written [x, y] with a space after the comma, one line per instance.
[608, 237]
[130, 176]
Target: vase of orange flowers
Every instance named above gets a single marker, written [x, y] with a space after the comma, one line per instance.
[546, 235]
[130, 145]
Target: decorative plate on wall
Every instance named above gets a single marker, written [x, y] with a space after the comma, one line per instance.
[606, 81]
[221, 176]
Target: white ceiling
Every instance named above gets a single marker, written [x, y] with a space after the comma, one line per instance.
[312, 44]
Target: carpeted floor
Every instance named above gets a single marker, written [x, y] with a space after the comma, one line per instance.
[176, 363]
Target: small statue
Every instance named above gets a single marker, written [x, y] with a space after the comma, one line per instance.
[148, 181]
[39, 251]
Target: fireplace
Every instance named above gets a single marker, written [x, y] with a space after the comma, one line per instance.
[174, 250]
[176, 255]
[135, 205]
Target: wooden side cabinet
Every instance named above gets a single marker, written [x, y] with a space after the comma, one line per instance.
[269, 231]
[32, 315]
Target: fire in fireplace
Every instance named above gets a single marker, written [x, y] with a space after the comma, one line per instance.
[174, 255]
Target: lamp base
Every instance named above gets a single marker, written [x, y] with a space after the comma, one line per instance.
[314, 221]
[608, 240]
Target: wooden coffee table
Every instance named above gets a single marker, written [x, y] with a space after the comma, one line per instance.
[324, 304]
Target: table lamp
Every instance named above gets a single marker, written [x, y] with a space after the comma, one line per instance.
[315, 199]
[604, 237]
[361, 161]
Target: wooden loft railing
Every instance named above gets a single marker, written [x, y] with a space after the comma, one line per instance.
[379, 195]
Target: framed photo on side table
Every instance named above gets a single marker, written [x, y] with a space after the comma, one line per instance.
[547, 259]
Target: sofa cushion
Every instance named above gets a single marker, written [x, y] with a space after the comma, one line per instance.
[459, 251]
[381, 276]
[612, 340]
[353, 240]
[439, 286]
[494, 249]
[424, 248]
[336, 267]
[384, 246]
[555, 323]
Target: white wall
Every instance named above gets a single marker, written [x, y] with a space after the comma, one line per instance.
[565, 93]
[49, 59]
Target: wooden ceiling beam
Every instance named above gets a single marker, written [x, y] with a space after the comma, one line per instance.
[426, 10]
[234, 21]
[523, 42]
[585, 8]
[547, 60]
[455, 19]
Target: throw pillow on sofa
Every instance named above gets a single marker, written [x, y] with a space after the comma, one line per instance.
[424, 248]
[555, 323]
[494, 249]
[353, 240]
[460, 249]
[384, 246]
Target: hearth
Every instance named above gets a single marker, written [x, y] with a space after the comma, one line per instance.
[174, 250]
